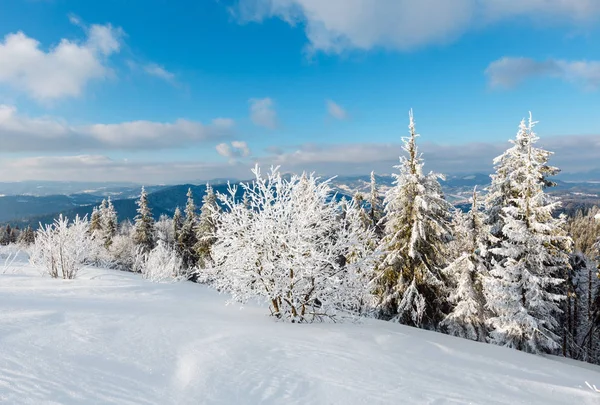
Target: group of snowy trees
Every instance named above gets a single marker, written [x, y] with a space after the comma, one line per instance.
[509, 271]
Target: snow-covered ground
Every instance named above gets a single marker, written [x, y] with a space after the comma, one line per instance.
[112, 338]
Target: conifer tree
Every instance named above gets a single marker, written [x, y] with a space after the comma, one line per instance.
[95, 222]
[144, 224]
[187, 236]
[207, 226]
[530, 260]
[109, 221]
[27, 237]
[410, 284]
[375, 209]
[466, 273]
[177, 224]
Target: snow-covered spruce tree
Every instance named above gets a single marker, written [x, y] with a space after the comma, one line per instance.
[530, 261]
[187, 236]
[375, 207]
[466, 273]
[207, 227]
[578, 318]
[143, 235]
[165, 231]
[177, 224]
[109, 221]
[290, 248]
[60, 249]
[409, 282]
[27, 237]
[96, 222]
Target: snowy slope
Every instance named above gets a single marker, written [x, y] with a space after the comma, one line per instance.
[113, 338]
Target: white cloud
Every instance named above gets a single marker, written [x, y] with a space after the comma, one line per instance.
[575, 153]
[62, 71]
[336, 111]
[334, 26]
[22, 133]
[101, 168]
[158, 71]
[509, 72]
[234, 150]
[262, 113]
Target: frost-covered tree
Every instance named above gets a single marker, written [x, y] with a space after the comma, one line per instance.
[410, 283]
[466, 273]
[290, 248]
[530, 261]
[109, 221]
[207, 226]
[27, 237]
[162, 264]
[144, 224]
[165, 231]
[582, 340]
[375, 207]
[61, 248]
[177, 224]
[95, 222]
[187, 236]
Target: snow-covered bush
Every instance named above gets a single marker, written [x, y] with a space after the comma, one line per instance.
[60, 249]
[289, 245]
[161, 264]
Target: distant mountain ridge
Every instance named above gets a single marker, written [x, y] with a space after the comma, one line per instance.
[27, 210]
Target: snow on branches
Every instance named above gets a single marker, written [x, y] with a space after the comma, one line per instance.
[289, 244]
[410, 284]
[60, 249]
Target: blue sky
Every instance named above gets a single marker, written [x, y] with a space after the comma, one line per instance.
[159, 91]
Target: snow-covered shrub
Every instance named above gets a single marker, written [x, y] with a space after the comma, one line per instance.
[161, 264]
[289, 245]
[60, 249]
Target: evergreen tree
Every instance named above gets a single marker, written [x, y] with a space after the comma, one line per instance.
[466, 272]
[375, 208]
[187, 236]
[95, 221]
[109, 221]
[144, 224]
[177, 224]
[410, 283]
[530, 260]
[27, 237]
[207, 226]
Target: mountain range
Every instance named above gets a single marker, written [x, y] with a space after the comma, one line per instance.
[30, 203]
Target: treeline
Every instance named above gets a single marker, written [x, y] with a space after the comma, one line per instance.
[507, 272]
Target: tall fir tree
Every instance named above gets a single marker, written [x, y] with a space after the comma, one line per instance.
[410, 284]
[375, 207]
[187, 236]
[529, 263]
[466, 274]
[95, 222]
[177, 224]
[109, 221]
[144, 235]
[207, 227]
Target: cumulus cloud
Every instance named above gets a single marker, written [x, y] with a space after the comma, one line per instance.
[62, 71]
[509, 72]
[19, 133]
[334, 26]
[336, 111]
[262, 112]
[234, 150]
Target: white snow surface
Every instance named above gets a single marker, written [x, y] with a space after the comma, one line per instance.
[111, 337]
